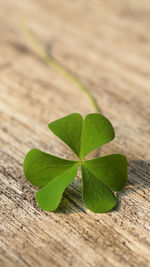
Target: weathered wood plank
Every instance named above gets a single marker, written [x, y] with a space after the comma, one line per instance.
[107, 45]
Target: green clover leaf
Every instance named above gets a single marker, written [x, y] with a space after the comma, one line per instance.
[101, 176]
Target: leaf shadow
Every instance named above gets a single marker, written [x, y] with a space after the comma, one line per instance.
[72, 199]
[138, 179]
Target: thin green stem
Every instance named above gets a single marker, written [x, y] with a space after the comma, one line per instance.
[54, 64]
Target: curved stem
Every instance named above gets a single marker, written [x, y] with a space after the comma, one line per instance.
[54, 64]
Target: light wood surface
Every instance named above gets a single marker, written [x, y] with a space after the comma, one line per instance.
[106, 44]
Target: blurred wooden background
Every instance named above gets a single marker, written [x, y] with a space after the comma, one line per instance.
[106, 44]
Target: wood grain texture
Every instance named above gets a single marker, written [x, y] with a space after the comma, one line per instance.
[106, 44]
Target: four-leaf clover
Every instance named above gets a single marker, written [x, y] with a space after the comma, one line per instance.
[100, 176]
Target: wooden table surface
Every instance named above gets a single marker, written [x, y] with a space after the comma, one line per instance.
[106, 44]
